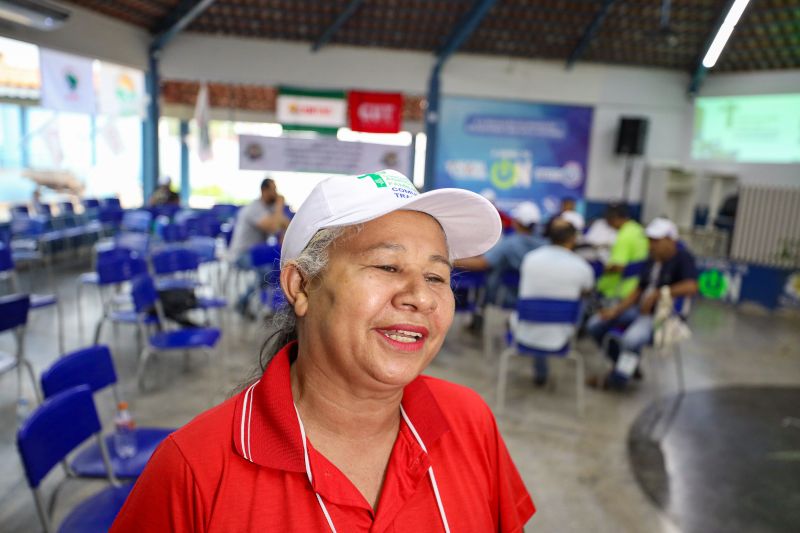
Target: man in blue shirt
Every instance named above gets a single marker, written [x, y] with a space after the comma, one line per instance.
[505, 258]
[669, 265]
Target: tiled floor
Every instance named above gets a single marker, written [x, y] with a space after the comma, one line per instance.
[576, 469]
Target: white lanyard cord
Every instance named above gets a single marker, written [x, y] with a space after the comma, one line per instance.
[419, 441]
[308, 472]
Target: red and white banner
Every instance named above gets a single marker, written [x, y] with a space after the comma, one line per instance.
[375, 112]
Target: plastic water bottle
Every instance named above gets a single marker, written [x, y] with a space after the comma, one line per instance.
[23, 410]
[124, 432]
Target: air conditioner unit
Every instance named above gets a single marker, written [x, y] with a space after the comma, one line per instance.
[33, 14]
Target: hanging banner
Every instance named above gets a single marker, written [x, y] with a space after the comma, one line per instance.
[326, 154]
[201, 111]
[122, 92]
[307, 109]
[375, 112]
[521, 150]
[67, 83]
[735, 282]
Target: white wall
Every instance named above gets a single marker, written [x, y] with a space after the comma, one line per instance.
[658, 95]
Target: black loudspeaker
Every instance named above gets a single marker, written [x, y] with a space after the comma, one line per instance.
[631, 136]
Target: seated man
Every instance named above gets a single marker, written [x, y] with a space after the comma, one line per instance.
[555, 272]
[255, 223]
[629, 246]
[506, 255]
[668, 265]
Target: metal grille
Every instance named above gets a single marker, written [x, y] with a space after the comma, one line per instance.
[767, 228]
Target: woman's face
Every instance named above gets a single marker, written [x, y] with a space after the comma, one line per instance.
[380, 312]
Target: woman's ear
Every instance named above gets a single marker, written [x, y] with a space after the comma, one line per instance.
[294, 287]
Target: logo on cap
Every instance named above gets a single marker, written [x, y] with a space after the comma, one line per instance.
[400, 186]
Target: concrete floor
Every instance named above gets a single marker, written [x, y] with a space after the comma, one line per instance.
[576, 469]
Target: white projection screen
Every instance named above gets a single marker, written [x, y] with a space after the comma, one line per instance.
[747, 129]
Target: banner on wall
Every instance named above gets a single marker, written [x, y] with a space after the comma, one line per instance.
[734, 282]
[122, 92]
[371, 112]
[521, 150]
[325, 154]
[67, 82]
[310, 109]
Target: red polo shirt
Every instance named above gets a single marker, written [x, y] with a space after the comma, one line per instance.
[240, 467]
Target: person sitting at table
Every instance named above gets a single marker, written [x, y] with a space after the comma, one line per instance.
[342, 432]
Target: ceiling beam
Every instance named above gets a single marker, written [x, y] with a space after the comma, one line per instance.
[457, 37]
[165, 36]
[589, 33]
[331, 30]
[700, 71]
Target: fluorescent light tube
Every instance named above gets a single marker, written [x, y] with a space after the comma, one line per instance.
[724, 33]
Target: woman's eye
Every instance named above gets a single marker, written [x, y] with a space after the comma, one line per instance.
[387, 268]
[436, 279]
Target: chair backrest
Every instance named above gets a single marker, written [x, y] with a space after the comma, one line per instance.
[19, 210]
[465, 280]
[91, 203]
[204, 247]
[223, 212]
[58, 426]
[111, 216]
[6, 258]
[265, 255]
[138, 221]
[113, 269]
[144, 293]
[137, 242]
[175, 259]
[111, 202]
[91, 366]
[66, 208]
[548, 311]
[634, 269]
[173, 233]
[43, 209]
[14, 311]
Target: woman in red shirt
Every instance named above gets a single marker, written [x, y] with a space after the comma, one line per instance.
[342, 432]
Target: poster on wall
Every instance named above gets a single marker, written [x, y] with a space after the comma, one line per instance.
[324, 154]
[121, 91]
[521, 150]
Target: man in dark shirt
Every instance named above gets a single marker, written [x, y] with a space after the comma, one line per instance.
[669, 265]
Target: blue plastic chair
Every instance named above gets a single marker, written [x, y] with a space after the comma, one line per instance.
[176, 267]
[114, 271]
[466, 286]
[14, 317]
[133, 241]
[94, 367]
[145, 299]
[54, 429]
[137, 221]
[267, 258]
[543, 311]
[37, 301]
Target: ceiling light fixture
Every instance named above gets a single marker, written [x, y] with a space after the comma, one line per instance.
[724, 32]
[33, 14]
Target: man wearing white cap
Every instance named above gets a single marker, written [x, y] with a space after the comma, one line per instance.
[507, 254]
[552, 271]
[669, 265]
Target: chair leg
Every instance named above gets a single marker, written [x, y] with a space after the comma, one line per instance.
[60, 320]
[579, 381]
[32, 375]
[145, 355]
[98, 329]
[502, 379]
[79, 302]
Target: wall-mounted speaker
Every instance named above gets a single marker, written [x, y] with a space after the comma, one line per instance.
[631, 136]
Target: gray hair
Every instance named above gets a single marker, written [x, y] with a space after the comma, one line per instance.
[312, 262]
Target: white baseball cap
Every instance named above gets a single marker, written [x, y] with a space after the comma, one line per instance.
[526, 213]
[470, 222]
[574, 218]
[660, 228]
